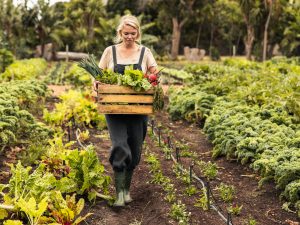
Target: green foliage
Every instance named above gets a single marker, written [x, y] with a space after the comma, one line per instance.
[179, 213]
[179, 75]
[208, 169]
[24, 70]
[251, 221]
[202, 201]
[290, 42]
[158, 98]
[191, 190]
[194, 106]
[214, 54]
[234, 209]
[77, 77]
[66, 211]
[254, 116]
[89, 64]
[86, 172]
[226, 192]
[135, 79]
[12, 222]
[75, 108]
[17, 125]
[6, 58]
[132, 78]
[33, 210]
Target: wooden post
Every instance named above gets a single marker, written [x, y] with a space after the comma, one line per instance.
[233, 50]
[207, 194]
[67, 51]
[191, 173]
[159, 136]
[177, 154]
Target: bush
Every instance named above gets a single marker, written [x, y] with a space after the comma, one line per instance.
[214, 54]
[6, 58]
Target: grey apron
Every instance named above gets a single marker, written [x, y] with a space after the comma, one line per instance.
[127, 132]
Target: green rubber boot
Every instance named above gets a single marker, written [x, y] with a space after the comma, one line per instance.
[128, 177]
[119, 184]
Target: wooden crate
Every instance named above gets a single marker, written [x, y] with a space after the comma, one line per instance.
[115, 99]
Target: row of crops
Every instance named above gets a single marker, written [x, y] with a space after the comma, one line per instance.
[50, 173]
[250, 111]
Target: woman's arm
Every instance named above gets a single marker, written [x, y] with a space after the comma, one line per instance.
[102, 65]
[153, 70]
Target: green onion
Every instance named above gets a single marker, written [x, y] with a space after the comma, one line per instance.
[90, 65]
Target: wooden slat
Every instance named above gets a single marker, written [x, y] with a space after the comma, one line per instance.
[117, 89]
[125, 99]
[125, 109]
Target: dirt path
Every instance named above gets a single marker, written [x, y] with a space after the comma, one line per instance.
[149, 207]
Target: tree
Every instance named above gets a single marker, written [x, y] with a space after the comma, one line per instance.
[82, 18]
[250, 10]
[43, 23]
[10, 22]
[291, 40]
[225, 19]
[179, 11]
[273, 10]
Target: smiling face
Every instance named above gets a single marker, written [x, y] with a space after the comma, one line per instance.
[129, 34]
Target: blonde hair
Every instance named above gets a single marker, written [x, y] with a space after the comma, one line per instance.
[130, 21]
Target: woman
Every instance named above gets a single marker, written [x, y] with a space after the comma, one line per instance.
[127, 132]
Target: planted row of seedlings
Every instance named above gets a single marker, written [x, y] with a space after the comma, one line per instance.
[208, 197]
[250, 112]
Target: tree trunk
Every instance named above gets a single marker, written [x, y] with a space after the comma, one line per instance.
[91, 22]
[249, 41]
[265, 43]
[211, 38]
[42, 39]
[175, 38]
[199, 32]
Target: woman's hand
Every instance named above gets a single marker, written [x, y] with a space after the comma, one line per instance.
[95, 84]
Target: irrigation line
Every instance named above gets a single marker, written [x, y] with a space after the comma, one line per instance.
[212, 206]
[77, 133]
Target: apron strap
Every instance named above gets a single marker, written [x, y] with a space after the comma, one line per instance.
[141, 57]
[114, 55]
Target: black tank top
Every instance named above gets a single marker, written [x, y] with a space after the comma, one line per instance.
[120, 68]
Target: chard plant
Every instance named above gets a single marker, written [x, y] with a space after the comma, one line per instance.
[12, 222]
[208, 169]
[235, 209]
[226, 192]
[202, 201]
[191, 190]
[183, 176]
[179, 213]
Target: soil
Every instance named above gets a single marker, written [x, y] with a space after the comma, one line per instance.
[149, 206]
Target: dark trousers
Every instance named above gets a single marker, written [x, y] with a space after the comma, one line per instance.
[127, 133]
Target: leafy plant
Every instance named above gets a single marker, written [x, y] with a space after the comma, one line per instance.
[202, 201]
[6, 58]
[209, 169]
[226, 192]
[25, 69]
[12, 222]
[87, 173]
[75, 109]
[135, 79]
[235, 209]
[179, 213]
[191, 190]
[33, 210]
[66, 211]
